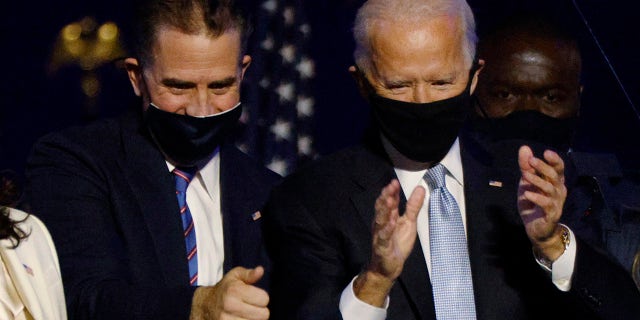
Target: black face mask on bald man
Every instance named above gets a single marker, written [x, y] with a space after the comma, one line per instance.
[423, 132]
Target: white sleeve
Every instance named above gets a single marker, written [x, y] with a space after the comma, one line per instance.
[562, 269]
[353, 308]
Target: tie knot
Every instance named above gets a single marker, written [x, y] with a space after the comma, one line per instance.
[435, 176]
[183, 176]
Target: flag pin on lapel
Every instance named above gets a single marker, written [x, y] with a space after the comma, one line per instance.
[28, 269]
[495, 183]
[256, 215]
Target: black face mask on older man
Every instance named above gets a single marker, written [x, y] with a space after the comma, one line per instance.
[422, 132]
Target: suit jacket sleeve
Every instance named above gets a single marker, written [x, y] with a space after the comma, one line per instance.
[603, 285]
[69, 191]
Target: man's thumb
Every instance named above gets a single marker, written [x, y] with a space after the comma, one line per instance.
[251, 276]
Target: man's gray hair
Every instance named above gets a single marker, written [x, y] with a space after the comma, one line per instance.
[407, 12]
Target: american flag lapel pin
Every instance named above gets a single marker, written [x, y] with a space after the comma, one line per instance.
[28, 269]
[256, 215]
[495, 183]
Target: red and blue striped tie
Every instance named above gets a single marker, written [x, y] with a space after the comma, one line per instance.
[183, 177]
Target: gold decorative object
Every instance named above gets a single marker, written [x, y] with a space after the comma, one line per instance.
[87, 45]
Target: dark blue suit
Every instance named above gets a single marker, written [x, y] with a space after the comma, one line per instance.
[108, 199]
[603, 202]
[603, 205]
[318, 232]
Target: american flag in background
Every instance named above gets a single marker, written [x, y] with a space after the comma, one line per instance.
[277, 120]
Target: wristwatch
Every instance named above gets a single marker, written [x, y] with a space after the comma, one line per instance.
[566, 240]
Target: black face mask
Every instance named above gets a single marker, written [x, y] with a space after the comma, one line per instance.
[528, 126]
[187, 140]
[422, 132]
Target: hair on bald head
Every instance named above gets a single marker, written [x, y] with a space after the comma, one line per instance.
[375, 12]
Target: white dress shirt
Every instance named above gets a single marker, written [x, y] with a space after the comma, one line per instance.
[410, 175]
[203, 199]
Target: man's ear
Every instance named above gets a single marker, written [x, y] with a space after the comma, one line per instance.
[474, 80]
[246, 61]
[134, 71]
[358, 76]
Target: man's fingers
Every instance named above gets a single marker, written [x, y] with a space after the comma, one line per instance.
[387, 201]
[415, 203]
[545, 170]
[524, 155]
[254, 296]
[385, 231]
[246, 302]
[539, 183]
[540, 200]
[555, 161]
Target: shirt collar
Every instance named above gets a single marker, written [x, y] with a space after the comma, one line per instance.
[407, 169]
[206, 172]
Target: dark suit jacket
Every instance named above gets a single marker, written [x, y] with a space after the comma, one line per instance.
[108, 199]
[603, 202]
[603, 205]
[318, 233]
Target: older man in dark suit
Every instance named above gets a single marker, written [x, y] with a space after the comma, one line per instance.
[154, 214]
[471, 241]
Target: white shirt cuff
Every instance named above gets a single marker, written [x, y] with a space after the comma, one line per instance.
[562, 269]
[353, 308]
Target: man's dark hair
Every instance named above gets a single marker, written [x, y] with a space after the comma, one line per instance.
[212, 17]
[533, 22]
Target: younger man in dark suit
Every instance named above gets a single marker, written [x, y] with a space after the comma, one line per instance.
[153, 214]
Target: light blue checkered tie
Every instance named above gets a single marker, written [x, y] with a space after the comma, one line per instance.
[450, 267]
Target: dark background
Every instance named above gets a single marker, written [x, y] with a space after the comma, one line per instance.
[34, 102]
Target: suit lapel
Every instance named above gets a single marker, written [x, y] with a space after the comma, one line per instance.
[240, 200]
[154, 187]
[489, 189]
[375, 173]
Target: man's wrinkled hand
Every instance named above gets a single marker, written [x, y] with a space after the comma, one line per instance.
[393, 239]
[233, 297]
[541, 196]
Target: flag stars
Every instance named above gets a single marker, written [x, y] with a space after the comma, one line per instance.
[244, 117]
[286, 91]
[305, 29]
[265, 83]
[305, 106]
[288, 53]
[243, 147]
[279, 166]
[270, 6]
[304, 145]
[281, 130]
[289, 16]
[306, 68]
[268, 43]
